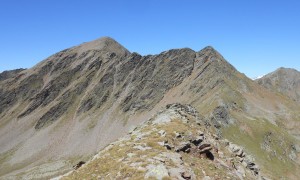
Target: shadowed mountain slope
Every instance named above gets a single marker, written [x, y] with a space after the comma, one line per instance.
[71, 105]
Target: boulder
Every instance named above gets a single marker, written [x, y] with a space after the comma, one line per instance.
[206, 178]
[237, 150]
[178, 134]
[183, 146]
[166, 144]
[204, 148]
[197, 140]
[200, 133]
[186, 175]
[139, 147]
[254, 169]
[78, 165]
[156, 171]
[250, 164]
[162, 133]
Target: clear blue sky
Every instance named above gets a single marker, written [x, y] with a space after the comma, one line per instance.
[256, 36]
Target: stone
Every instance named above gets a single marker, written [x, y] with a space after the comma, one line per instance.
[139, 147]
[225, 142]
[240, 153]
[186, 175]
[244, 164]
[162, 133]
[197, 140]
[206, 178]
[168, 146]
[296, 148]
[130, 155]
[241, 171]
[200, 133]
[216, 137]
[165, 144]
[78, 165]
[221, 154]
[162, 119]
[156, 171]
[141, 169]
[176, 158]
[249, 159]
[183, 146]
[255, 169]
[181, 173]
[292, 155]
[175, 173]
[204, 148]
[159, 159]
[237, 150]
[178, 135]
[250, 164]
[161, 143]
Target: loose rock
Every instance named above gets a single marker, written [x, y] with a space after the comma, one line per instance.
[183, 146]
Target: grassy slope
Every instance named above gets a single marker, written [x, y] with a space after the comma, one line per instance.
[251, 134]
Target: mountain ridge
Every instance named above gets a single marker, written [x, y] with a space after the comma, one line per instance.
[74, 103]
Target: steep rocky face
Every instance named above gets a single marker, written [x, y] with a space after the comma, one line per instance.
[71, 105]
[283, 80]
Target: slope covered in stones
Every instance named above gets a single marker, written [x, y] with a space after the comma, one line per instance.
[71, 105]
[174, 144]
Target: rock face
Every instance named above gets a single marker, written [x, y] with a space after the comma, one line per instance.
[77, 101]
[283, 80]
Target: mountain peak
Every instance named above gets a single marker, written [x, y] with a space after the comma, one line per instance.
[284, 69]
[104, 43]
[210, 51]
[209, 48]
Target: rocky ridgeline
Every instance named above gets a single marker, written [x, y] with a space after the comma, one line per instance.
[173, 144]
[9, 74]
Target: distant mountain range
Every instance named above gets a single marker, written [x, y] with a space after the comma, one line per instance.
[68, 108]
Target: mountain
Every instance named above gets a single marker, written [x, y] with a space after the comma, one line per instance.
[283, 80]
[71, 105]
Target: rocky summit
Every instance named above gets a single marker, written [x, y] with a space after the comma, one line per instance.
[95, 111]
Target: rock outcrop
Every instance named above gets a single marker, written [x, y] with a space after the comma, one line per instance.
[183, 158]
